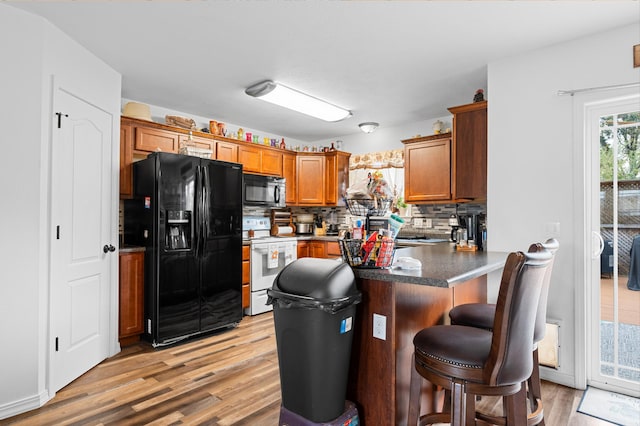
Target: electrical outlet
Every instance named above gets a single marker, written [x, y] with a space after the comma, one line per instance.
[428, 223]
[417, 222]
[380, 327]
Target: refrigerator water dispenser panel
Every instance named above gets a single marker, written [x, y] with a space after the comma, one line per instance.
[178, 230]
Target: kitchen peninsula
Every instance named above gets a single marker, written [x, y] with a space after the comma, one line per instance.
[409, 300]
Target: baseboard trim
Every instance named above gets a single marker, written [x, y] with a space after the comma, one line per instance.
[558, 377]
[23, 405]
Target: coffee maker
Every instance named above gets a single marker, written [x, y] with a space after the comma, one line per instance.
[476, 227]
[454, 224]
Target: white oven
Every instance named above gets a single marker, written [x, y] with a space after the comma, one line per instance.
[268, 256]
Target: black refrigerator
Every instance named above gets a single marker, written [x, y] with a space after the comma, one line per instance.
[187, 213]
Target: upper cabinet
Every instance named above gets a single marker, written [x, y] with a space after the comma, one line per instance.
[126, 159]
[226, 151]
[150, 140]
[470, 151]
[261, 160]
[312, 179]
[322, 178]
[427, 169]
[289, 173]
[449, 167]
[336, 177]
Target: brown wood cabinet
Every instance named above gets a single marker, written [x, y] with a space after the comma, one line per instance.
[318, 249]
[246, 276]
[198, 142]
[337, 177]
[256, 159]
[427, 169]
[271, 162]
[251, 158]
[126, 159]
[303, 249]
[131, 284]
[333, 249]
[449, 167]
[470, 151]
[150, 140]
[226, 151]
[310, 179]
[289, 173]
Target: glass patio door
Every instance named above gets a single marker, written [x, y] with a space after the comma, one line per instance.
[614, 134]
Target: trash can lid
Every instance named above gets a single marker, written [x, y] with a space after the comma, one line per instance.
[317, 278]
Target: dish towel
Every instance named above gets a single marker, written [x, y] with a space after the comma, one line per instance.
[288, 253]
[272, 256]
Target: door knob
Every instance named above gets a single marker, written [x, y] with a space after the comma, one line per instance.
[108, 248]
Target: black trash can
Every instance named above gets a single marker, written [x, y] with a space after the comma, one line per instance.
[314, 310]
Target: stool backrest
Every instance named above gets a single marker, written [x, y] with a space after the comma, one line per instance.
[510, 359]
[540, 329]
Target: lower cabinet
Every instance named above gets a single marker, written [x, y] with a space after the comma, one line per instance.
[303, 249]
[131, 311]
[246, 276]
[333, 250]
[319, 248]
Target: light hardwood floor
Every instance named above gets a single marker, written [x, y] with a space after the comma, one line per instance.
[230, 378]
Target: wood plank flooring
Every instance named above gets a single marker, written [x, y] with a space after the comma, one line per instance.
[628, 301]
[230, 378]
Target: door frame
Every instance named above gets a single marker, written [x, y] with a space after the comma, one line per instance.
[585, 265]
[58, 83]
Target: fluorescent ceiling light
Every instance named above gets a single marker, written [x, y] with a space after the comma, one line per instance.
[286, 97]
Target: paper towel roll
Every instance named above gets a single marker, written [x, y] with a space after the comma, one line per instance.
[283, 230]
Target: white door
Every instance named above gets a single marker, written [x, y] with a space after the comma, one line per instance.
[81, 226]
[612, 128]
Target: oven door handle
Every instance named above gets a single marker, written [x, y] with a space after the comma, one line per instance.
[265, 250]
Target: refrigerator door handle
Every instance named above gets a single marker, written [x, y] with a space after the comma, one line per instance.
[207, 202]
[198, 209]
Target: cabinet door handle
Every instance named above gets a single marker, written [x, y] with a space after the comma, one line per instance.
[108, 248]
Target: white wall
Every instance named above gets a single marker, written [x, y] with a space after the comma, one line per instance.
[33, 51]
[531, 164]
[21, 173]
[388, 137]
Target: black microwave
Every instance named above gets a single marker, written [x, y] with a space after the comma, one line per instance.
[265, 191]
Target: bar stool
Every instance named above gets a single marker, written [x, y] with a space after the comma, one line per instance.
[470, 361]
[481, 315]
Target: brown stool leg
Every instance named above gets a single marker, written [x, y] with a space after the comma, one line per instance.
[458, 403]
[535, 388]
[516, 407]
[415, 385]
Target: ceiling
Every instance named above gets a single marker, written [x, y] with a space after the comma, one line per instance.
[392, 62]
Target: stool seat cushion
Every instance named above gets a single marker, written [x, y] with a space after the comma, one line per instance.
[462, 348]
[474, 314]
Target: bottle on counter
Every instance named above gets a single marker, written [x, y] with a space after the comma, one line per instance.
[357, 233]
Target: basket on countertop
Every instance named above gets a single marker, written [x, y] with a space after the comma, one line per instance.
[368, 206]
[376, 253]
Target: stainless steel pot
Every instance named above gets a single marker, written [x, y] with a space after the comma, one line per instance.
[304, 228]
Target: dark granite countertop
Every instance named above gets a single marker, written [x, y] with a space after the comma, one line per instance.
[442, 266]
